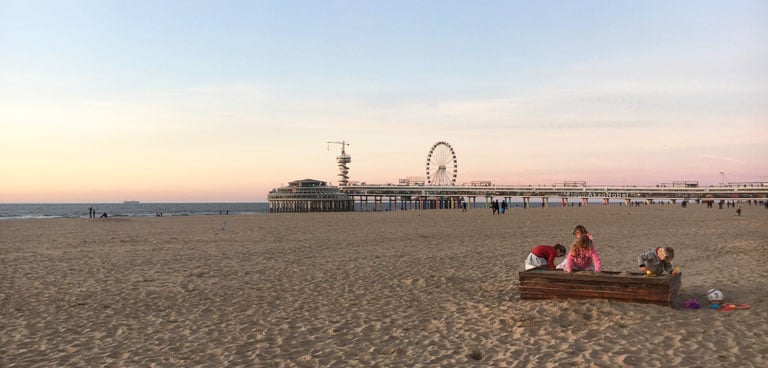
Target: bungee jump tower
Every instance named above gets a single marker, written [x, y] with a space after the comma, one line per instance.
[342, 160]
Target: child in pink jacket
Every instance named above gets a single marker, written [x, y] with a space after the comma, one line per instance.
[583, 254]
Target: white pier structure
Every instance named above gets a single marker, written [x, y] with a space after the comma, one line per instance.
[452, 196]
[309, 195]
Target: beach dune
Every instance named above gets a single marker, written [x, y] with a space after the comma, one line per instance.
[405, 288]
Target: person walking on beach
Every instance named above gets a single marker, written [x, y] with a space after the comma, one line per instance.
[503, 206]
[543, 256]
[583, 254]
[91, 212]
[738, 211]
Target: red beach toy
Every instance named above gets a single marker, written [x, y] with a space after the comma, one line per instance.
[731, 306]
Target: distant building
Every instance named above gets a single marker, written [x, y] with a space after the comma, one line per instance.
[685, 184]
[309, 195]
[412, 181]
[574, 184]
[481, 183]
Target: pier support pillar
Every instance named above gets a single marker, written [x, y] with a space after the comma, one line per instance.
[673, 201]
[649, 201]
[627, 201]
[564, 201]
[526, 202]
[605, 201]
[545, 202]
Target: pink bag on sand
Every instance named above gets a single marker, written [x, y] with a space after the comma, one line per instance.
[692, 304]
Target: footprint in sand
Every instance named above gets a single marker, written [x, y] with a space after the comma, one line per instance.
[475, 354]
[414, 282]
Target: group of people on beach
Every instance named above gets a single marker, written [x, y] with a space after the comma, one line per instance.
[92, 213]
[583, 256]
[499, 208]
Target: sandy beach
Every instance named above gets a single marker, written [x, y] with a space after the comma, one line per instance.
[385, 289]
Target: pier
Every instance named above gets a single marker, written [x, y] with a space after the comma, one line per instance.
[438, 190]
[435, 197]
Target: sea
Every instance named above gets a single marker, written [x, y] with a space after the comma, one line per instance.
[80, 210]
[11, 211]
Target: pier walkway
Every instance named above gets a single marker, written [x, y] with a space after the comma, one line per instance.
[420, 196]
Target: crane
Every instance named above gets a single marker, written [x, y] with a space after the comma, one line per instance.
[342, 161]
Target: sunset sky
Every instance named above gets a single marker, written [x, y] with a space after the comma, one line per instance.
[210, 101]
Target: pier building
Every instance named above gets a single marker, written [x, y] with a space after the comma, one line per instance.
[309, 195]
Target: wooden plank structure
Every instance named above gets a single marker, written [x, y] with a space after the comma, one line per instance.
[619, 286]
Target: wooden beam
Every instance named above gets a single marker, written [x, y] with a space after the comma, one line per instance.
[620, 286]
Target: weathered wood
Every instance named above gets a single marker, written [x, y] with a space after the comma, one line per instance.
[620, 286]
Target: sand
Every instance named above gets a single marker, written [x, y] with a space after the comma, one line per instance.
[386, 289]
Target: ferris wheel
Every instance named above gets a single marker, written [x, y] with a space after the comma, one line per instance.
[441, 164]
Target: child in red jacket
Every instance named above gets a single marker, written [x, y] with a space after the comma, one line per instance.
[543, 256]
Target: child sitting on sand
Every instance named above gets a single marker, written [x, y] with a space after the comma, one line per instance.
[658, 261]
[543, 256]
[583, 254]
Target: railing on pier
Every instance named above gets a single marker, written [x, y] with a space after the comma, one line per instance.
[602, 192]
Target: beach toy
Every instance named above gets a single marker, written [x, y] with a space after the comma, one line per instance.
[648, 273]
[692, 304]
[715, 306]
[731, 306]
[715, 295]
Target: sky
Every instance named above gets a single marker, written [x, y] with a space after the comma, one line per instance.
[222, 101]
